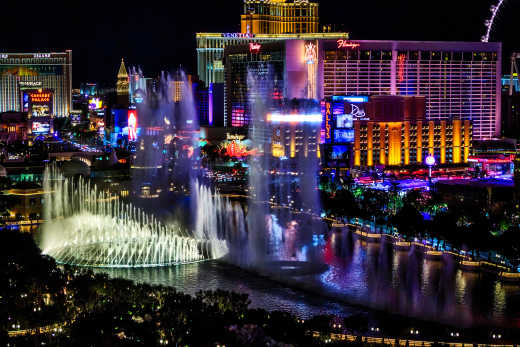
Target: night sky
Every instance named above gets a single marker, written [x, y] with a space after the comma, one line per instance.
[158, 36]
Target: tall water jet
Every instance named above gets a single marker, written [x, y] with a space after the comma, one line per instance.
[87, 227]
[167, 145]
[286, 136]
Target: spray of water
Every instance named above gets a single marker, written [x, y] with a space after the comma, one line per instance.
[87, 227]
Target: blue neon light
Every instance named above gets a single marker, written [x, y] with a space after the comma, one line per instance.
[352, 99]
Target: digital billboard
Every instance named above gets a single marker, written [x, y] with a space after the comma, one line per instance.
[344, 135]
[95, 104]
[25, 102]
[75, 119]
[356, 110]
[39, 103]
[339, 152]
[132, 125]
[344, 121]
[41, 127]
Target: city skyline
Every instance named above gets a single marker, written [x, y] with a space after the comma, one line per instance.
[136, 33]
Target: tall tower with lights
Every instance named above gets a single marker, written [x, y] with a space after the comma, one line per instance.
[280, 17]
[122, 86]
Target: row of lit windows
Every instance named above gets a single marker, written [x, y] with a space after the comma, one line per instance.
[411, 56]
[284, 9]
[34, 61]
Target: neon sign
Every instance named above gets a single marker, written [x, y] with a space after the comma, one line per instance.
[310, 53]
[239, 35]
[294, 118]
[30, 84]
[357, 112]
[42, 55]
[328, 119]
[346, 44]
[4, 56]
[254, 47]
[351, 99]
[40, 97]
[401, 61]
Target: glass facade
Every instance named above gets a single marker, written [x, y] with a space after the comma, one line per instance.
[267, 67]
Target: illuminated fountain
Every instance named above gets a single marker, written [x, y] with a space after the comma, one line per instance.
[283, 177]
[166, 147]
[92, 228]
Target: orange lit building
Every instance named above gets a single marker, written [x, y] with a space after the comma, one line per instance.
[397, 133]
[280, 17]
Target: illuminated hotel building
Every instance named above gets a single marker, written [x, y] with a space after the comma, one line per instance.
[460, 80]
[210, 49]
[393, 131]
[263, 21]
[280, 17]
[295, 130]
[280, 70]
[35, 71]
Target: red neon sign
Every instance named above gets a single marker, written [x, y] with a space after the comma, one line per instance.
[401, 61]
[254, 47]
[346, 44]
[40, 97]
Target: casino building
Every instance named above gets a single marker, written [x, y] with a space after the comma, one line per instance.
[25, 73]
[390, 131]
[263, 21]
[459, 80]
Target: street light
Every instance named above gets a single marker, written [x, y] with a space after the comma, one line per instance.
[430, 162]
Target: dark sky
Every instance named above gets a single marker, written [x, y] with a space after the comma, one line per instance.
[158, 36]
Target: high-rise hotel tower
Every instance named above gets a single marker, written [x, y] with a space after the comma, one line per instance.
[24, 73]
[280, 17]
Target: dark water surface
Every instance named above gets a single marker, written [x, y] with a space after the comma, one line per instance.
[359, 274]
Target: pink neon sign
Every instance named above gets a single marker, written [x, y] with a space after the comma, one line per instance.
[346, 44]
[254, 47]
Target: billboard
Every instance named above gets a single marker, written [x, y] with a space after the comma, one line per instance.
[75, 119]
[42, 127]
[344, 121]
[39, 103]
[95, 104]
[343, 135]
[132, 125]
[356, 110]
[339, 152]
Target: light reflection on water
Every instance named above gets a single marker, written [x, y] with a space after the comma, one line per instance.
[361, 273]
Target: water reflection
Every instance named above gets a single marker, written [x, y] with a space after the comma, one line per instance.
[371, 274]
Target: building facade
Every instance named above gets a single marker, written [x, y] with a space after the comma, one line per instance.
[408, 143]
[280, 17]
[267, 73]
[22, 72]
[123, 86]
[295, 130]
[460, 80]
[210, 49]
[390, 131]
